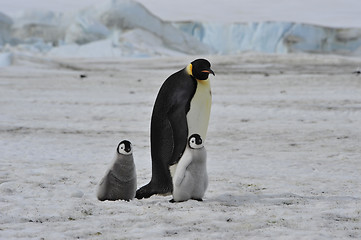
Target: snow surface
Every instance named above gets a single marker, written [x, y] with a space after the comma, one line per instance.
[283, 149]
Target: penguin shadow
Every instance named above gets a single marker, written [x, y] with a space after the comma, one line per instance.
[287, 199]
[192, 199]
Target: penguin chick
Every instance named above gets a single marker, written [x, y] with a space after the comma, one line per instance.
[190, 179]
[120, 181]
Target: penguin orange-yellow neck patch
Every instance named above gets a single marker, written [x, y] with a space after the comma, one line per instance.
[189, 69]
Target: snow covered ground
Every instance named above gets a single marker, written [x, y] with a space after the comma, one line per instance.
[283, 149]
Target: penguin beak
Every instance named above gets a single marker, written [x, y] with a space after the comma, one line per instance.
[209, 71]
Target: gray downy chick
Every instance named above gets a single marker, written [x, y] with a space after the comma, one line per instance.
[120, 181]
[190, 180]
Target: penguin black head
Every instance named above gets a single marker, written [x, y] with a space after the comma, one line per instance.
[124, 147]
[201, 68]
[195, 141]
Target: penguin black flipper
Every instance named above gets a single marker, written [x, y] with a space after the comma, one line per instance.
[169, 131]
[178, 121]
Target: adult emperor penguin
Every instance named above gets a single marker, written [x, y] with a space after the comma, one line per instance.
[120, 181]
[190, 180]
[182, 106]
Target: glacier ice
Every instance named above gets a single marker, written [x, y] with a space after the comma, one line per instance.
[125, 28]
[85, 30]
[124, 15]
[274, 37]
[36, 26]
[5, 28]
[6, 59]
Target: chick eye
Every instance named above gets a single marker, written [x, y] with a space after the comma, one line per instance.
[121, 148]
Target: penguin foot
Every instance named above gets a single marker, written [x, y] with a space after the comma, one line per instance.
[148, 190]
[144, 192]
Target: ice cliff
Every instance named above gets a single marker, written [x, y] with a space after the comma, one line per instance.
[125, 28]
[5, 28]
[275, 37]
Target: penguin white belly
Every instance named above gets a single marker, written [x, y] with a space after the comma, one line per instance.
[199, 113]
[200, 109]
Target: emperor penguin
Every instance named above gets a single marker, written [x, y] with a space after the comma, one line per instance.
[190, 180]
[182, 106]
[120, 181]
